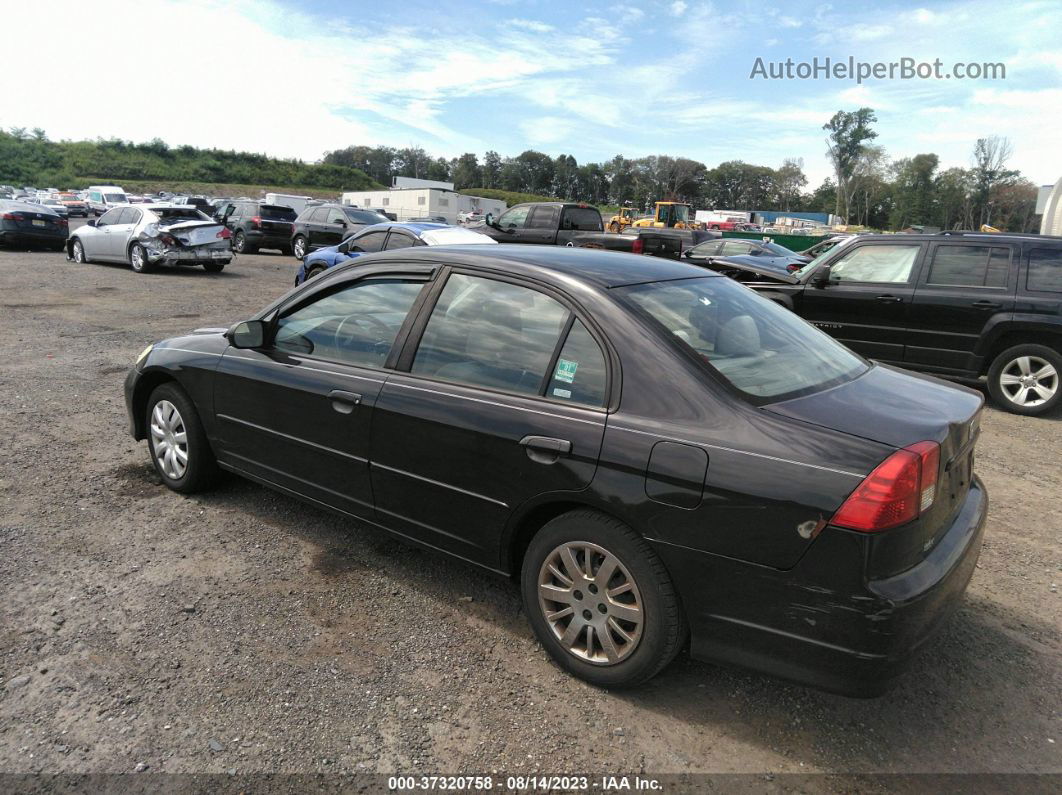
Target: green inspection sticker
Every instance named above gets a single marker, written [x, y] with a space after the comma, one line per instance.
[566, 371]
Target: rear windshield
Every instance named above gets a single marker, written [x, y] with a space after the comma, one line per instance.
[179, 213]
[276, 212]
[115, 198]
[364, 216]
[759, 347]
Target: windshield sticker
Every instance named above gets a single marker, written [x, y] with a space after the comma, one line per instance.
[563, 393]
[565, 371]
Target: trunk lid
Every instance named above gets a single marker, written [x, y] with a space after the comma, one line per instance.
[194, 233]
[900, 408]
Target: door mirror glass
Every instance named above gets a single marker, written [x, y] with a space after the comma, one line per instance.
[488, 219]
[248, 334]
[821, 277]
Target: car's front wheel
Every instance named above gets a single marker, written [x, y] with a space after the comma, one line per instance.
[78, 252]
[298, 247]
[316, 270]
[600, 600]
[179, 448]
[1024, 379]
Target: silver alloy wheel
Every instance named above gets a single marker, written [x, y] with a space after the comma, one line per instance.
[300, 248]
[1029, 381]
[591, 602]
[169, 440]
[79, 252]
[136, 256]
[238, 242]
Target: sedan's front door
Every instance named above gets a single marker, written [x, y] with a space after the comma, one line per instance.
[298, 411]
[97, 243]
[503, 402]
[866, 303]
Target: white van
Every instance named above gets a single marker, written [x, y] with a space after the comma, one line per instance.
[101, 198]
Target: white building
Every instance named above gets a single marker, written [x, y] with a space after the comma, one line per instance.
[1050, 205]
[419, 202]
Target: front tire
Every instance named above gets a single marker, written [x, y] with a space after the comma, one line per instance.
[177, 443]
[1025, 379]
[298, 247]
[78, 252]
[138, 259]
[316, 270]
[600, 601]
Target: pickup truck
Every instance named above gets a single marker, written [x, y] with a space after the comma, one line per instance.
[581, 226]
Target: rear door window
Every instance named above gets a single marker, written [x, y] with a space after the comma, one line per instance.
[319, 216]
[732, 248]
[582, 219]
[371, 241]
[969, 266]
[491, 334]
[1045, 270]
[543, 218]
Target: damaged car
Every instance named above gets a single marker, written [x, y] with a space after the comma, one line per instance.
[153, 234]
[740, 258]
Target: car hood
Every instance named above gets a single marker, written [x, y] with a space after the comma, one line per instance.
[889, 405]
[761, 266]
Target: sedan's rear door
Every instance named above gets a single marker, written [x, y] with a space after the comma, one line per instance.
[503, 401]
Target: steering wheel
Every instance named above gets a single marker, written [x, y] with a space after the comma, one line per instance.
[367, 324]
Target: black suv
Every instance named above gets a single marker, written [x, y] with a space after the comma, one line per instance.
[256, 225]
[957, 304]
[327, 225]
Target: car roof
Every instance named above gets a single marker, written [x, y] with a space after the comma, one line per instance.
[962, 235]
[596, 267]
[16, 204]
[416, 227]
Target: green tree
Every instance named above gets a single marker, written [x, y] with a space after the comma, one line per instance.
[845, 144]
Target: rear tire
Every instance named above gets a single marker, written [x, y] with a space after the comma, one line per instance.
[177, 444]
[614, 228]
[612, 630]
[1025, 379]
[138, 259]
[299, 247]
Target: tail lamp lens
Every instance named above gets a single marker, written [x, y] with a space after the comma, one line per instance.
[638, 247]
[900, 488]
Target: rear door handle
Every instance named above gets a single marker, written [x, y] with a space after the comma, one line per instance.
[889, 299]
[344, 402]
[985, 305]
[545, 449]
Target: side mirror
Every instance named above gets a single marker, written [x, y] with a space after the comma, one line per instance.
[821, 277]
[248, 334]
[343, 223]
[92, 222]
[488, 219]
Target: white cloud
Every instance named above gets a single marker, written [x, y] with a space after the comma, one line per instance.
[531, 24]
[678, 8]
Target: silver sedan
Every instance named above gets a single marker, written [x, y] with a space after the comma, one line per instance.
[147, 235]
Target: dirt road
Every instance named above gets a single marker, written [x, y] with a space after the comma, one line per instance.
[242, 630]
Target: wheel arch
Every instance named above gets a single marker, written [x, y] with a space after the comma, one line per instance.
[1049, 336]
[145, 385]
[531, 517]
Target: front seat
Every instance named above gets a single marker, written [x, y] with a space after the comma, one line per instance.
[739, 336]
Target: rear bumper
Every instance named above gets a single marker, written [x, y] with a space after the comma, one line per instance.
[31, 238]
[261, 239]
[193, 256]
[810, 626]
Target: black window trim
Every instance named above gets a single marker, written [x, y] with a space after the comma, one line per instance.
[412, 341]
[923, 278]
[1026, 261]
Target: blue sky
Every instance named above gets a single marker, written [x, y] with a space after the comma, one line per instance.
[592, 79]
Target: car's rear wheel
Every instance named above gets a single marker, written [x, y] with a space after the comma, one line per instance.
[178, 445]
[1025, 379]
[138, 258]
[298, 247]
[600, 600]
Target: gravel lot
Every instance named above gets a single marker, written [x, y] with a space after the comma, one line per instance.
[242, 630]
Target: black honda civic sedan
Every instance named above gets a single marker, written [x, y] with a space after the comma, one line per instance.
[657, 453]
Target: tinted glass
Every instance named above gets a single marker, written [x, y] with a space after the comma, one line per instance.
[336, 217]
[108, 218]
[364, 216]
[579, 375]
[707, 249]
[320, 215]
[356, 325]
[543, 218]
[491, 334]
[761, 348]
[276, 213]
[372, 241]
[170, 214]
[514, 218]
[127, 216]
[1045, 270]
[970, 266]
[398, 240]
[583, 219]
[890, 264]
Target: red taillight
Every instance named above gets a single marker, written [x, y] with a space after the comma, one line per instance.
[256, 222]
[224, 234]
[10, 217]
[638, 247]
[900, 488]
[793, 267]
[63, 222]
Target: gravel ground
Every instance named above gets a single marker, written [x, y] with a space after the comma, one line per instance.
[242, 630]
